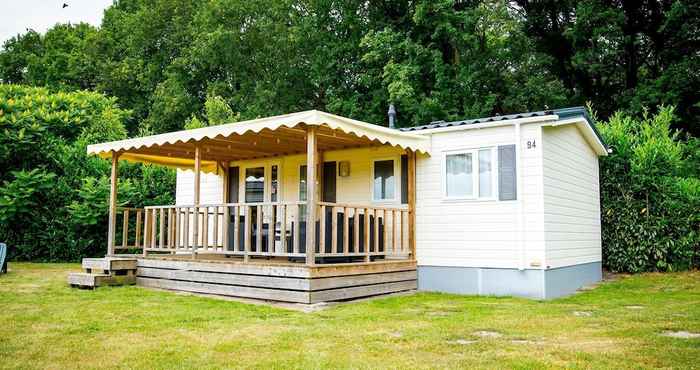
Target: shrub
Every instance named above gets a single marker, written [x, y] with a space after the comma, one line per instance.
[650, 195]
[53, 197]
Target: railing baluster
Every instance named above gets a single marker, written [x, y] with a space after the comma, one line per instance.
[154, 217]
[178, 228]
[346, 230]
[186, 228]
[162, 228]
[125, 229]
[295, 230]
[236, 228]
[271, 231]
[334, 230]
[258, 228]
[367, 233]
[283, 228]
[385, 234]
[137, 239]
[356, 228]
[394, 231]
[215, 229]
[322, 230]
[246, 234]
[401, 229]
[169, 228]
[376, 230]
[205, 229]
[225, 225]
[145, 229]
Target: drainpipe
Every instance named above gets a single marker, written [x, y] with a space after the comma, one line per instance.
[519, 195]
[392, 115]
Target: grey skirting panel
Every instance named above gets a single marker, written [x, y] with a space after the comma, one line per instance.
[530, 283]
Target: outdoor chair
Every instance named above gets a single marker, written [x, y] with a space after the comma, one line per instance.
[3, 258]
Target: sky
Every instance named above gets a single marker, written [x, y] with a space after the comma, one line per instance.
[18, 15]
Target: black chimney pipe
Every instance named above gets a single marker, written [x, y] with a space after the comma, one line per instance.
[392, 116]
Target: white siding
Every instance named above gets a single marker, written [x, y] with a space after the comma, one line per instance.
[571, 198]
[355, 188]
[211, 188]
[472, 233]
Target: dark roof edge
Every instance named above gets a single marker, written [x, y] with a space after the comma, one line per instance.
[580, 111]
[563, 113]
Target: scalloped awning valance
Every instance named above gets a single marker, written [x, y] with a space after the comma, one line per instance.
[258, 138]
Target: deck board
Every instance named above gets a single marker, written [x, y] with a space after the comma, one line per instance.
[277, 280]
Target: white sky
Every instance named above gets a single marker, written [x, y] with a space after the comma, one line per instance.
[18, 15]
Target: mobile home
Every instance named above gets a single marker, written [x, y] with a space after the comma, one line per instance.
[312, 207]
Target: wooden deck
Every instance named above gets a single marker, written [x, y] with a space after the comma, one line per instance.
[275, 280]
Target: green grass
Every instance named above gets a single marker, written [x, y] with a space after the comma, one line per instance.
[46, 324]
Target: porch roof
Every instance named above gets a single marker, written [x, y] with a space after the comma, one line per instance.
[258, 138]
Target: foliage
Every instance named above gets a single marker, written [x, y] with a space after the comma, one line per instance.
[622, 55]
[59, 58]
[53, 198]
[650, 193]
[435, 60]
[217, 112]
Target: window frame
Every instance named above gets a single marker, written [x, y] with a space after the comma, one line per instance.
[475, 174]
[397, 180]
[299, 187]
[267, 188]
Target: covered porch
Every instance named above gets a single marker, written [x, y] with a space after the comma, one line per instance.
[267, 235]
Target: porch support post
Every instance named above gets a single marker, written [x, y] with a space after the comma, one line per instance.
[311, 196]
[197, 181]
[113, 204]
[412, 203]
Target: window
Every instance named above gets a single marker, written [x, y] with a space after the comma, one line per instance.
[384, 185]
[274, 183]
[302, 192]
[255, 185]
[470, 174]
[485, 173]
[302, 183]
[459, 175]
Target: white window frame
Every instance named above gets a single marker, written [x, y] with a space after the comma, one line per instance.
[267, 172]
[475, 174]
[397, 180]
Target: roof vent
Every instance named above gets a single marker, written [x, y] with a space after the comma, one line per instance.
[392, 116]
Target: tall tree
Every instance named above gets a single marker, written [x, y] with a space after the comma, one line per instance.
[59, 59]
[622, 53]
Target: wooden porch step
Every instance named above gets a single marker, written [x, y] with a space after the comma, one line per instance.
[109, 264]
[104, 271]
[92, 280]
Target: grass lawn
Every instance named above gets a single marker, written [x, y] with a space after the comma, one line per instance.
[46, 324]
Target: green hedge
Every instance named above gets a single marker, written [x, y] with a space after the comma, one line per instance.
[53, 197]
[650, 195]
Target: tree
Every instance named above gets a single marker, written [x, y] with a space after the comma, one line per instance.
[53, 197]
[622, 54]
[60, 59]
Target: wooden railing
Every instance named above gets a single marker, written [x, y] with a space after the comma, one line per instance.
[344, 232]
[130, 222]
